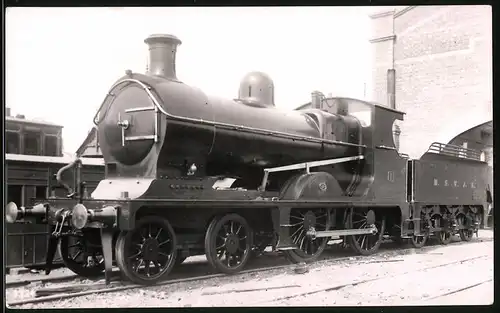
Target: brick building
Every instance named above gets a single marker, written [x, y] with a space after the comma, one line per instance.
[441, 57]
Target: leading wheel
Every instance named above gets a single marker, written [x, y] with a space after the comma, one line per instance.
[82, 253]
[309, 249]
[147, 253]
[228, 243]
[360, 218]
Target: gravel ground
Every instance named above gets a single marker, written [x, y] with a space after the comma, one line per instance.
[401, 280]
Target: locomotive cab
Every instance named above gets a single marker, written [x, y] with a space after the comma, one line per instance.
[390, 174]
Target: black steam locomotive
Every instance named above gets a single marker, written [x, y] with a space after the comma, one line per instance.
[189, 174]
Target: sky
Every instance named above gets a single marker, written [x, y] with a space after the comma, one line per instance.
[61, 62]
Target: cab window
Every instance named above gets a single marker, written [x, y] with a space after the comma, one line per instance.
[361, 111]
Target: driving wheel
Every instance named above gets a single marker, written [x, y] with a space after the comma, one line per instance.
[360, 218]
[301, 221]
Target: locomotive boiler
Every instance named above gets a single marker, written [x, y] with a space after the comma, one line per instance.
[190, 174]
[176, 129]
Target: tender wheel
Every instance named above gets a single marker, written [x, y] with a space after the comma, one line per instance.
[444, 237]
[418, 241]
[228, 243]
[465, 234]
[147, 253]
[309, 250]
[362, 218]
[82, 254]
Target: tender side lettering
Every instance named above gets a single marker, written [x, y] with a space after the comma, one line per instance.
[456, 183]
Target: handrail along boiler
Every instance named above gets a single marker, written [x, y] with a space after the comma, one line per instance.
[190, 174]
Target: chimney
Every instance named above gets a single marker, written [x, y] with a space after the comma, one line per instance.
[391, 88]
[162, 49]
[7, 111]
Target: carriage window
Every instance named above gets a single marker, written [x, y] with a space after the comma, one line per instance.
[50, 148]
[32, 143]
[12, 142]
[15, 194]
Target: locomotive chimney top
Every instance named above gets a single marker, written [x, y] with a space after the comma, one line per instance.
[162, 50]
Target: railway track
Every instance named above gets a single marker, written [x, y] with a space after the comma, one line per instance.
[470, 286]
[365, 281]
[72, 291]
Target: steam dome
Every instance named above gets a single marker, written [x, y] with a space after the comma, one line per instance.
[257, 89]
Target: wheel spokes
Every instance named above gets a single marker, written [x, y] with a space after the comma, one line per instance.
[231, 243]
[150, 251]
[359, 220]
[300, 224]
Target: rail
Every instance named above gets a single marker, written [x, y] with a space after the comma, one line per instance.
[454, 151]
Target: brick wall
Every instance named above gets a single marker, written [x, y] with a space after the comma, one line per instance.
[443, 61]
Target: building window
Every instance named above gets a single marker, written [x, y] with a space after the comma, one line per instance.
[32, 143]
[50, 148]
[12, 142]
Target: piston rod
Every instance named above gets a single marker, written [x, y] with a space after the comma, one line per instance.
[342, 232]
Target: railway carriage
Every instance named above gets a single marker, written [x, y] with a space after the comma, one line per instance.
[189, 174]
[33, 158]
[32, 178]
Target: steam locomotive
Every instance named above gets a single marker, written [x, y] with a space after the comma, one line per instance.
[190, 174]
